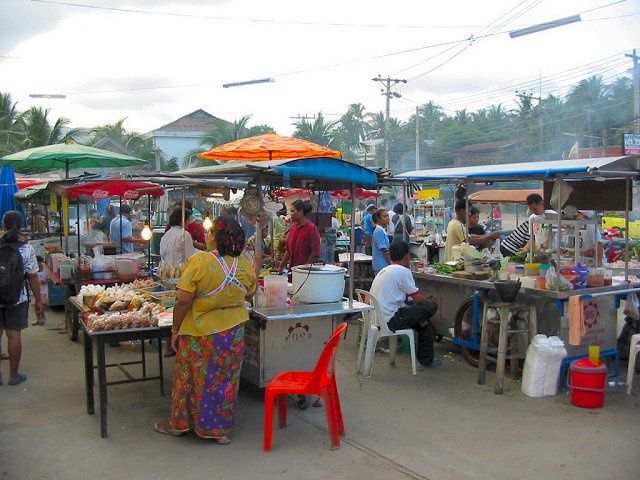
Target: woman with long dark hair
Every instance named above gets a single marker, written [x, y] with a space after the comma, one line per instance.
[208, 335]
[18, 264]
[303, 239]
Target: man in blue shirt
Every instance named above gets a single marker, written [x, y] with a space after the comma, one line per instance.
[368, 227]
[380, 241]
[121, 231]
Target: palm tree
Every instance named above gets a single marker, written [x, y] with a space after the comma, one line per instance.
[462, 117]
[9, 133]
[352, 129]
[222, 133]
[114, 131]
[37, 131]
[321, 131]
[588, 99]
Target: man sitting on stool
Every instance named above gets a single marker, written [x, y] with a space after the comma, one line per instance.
[391, 287]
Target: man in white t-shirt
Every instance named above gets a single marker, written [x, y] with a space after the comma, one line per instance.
[391, 287]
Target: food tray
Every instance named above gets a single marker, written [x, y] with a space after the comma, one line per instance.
[168, 283]
[166, 298]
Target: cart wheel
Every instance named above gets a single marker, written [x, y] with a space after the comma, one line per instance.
[302, 402]
[463, 330]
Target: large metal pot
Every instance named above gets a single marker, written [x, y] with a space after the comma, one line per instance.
[318, 283]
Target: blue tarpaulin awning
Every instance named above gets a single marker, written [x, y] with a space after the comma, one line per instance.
[333, 172]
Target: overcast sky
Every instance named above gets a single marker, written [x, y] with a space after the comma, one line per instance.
[52, 48]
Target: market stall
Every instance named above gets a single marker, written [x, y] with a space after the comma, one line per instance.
[101, 269]
[290, 334]
[460, 295]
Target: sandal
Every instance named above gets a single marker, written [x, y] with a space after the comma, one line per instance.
[4, 356]
[19, 379]
[165, 428]
[223, 440]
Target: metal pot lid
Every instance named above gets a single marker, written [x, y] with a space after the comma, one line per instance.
[319, 269]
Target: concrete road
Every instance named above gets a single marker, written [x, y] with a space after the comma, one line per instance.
[436, 425]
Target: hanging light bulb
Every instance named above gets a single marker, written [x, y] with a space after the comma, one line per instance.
[207, 224]
[146, 233]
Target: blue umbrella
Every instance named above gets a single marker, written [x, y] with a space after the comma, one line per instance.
[8, 189]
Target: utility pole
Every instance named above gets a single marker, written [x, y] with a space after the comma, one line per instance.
[304, 117]
[417, 138]
[636, 91]
[387, 83]
[540, 122]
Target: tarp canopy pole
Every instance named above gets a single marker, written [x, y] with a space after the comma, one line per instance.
[626, 230]
[352, 244]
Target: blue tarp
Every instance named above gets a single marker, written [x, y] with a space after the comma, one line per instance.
[8, 189]
[327, 169]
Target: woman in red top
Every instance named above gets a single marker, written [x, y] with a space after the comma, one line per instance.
[303, 239]
[195, 229]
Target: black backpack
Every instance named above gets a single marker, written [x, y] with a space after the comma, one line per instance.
[12, 276]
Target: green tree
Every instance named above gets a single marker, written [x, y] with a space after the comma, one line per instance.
[138, 145]
[9, 130]
[351, 130]
[321, 131]
[37, 131]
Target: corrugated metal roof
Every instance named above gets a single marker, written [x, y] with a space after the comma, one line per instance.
[583, 167]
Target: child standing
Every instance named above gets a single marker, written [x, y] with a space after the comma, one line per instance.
[45, 278]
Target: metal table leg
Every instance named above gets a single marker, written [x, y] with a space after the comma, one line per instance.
[88, 372]
[144, 362]
[160, 367]
[102, 384]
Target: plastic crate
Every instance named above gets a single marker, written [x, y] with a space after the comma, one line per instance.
[57, 295]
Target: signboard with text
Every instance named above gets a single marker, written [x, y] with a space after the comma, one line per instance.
[631, 144]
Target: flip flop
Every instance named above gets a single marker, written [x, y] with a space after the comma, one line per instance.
[20, 378]
[165, 428]
[223, 440]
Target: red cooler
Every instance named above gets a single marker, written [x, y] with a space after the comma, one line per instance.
[588, 383]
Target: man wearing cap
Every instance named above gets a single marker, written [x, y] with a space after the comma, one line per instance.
[368, 227]
[121, 231]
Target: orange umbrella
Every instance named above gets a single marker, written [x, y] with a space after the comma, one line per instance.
[269, 147]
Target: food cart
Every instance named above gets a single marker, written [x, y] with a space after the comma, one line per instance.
[291, 337]
[460, 300]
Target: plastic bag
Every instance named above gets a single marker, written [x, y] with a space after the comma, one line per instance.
[632, 306]
[551, 280]
[542, 366]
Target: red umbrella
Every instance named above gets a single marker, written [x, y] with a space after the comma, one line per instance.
[361, 194]
[129, 190]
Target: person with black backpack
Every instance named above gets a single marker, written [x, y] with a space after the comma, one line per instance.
[18, 265]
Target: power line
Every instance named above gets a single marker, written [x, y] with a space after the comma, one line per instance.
[263, 20]
[492, 30]
[601, 65]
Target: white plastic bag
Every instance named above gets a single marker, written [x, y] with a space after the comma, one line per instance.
[542, 366]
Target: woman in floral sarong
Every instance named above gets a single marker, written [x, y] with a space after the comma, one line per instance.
[208, 335]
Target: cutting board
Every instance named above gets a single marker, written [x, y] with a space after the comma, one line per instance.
[472, 275]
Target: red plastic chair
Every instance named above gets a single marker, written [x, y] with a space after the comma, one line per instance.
[322, 382]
